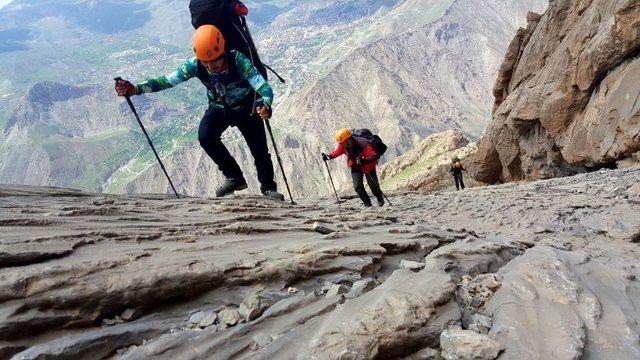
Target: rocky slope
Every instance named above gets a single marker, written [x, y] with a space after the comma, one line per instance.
[567, 98]
[426, 167]
[543, 270]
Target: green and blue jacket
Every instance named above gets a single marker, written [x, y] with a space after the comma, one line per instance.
[241, 80]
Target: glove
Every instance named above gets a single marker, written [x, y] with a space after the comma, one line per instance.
[264, 112]
[125, 88]
[326, 157]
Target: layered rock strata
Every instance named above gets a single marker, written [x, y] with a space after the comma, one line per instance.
[92, 276]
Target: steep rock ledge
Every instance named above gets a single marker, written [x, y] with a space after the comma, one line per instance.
[567, 98]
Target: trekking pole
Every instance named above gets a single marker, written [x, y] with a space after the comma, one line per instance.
[370, 178]
[135, 113]
[275, 149]
[331, 179]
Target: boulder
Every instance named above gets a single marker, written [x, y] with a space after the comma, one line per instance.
[131, 314]
[552, 300]
[253, 306]
[473, 293]
[360, 287]
[408, 310]
[323, 229]
[411, 265]
[208, 319]
[196, 317]
[476, 322]
[424, 354]
[229, 316]
[337, 289]
[468, 345]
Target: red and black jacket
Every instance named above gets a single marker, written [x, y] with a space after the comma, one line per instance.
[362, 149]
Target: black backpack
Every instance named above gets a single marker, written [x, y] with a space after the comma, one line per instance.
[375, 140]
[234, 28]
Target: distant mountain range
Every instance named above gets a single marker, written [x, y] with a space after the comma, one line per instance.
[404, 69]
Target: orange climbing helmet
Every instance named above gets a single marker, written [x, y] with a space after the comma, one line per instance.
[208, 43]
[342, 135]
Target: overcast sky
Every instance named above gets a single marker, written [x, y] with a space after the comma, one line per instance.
[4, 2]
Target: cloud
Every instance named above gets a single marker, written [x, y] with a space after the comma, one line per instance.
[4, 3]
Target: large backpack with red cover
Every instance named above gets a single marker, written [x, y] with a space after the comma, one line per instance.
[376, 142]
[229, 17]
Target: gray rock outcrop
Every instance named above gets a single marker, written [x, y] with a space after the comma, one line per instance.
[567, 98]
[468, 345]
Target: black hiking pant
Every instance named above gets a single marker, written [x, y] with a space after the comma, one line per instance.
[358, 183]
[214, 123]
[459, 182]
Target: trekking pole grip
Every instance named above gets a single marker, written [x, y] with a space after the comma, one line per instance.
[117, 79]
[146, 134]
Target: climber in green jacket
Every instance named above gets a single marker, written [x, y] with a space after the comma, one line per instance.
[238, 96]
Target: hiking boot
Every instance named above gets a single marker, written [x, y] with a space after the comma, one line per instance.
[230, 186]
[272, 194]
[367, 205]
[381, 202]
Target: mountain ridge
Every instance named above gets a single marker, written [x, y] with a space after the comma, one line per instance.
[137, 54]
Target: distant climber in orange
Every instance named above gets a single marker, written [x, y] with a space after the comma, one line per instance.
[456, 170]
[362, 158]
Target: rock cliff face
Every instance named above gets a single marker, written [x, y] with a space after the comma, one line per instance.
[567, 95]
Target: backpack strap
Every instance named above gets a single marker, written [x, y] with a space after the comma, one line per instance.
[233, 66]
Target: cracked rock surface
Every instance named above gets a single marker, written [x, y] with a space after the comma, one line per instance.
[547, 270]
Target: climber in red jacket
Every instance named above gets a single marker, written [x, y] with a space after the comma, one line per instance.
[362, 159]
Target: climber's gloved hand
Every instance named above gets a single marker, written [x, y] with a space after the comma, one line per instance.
[264, 112]
[326, 157]
[125, 88]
